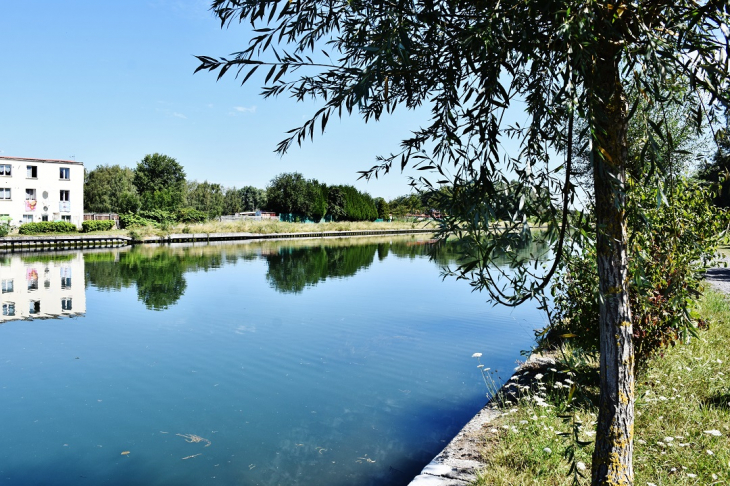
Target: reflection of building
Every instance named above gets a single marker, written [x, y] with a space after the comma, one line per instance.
[34, 190]
[42, 286]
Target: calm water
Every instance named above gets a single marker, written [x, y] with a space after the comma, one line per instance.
[317, 362]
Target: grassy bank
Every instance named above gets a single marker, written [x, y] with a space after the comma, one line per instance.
[256, 227]
[682, 429]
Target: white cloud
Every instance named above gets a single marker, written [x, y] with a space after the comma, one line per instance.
[243, 109]
[179, 115]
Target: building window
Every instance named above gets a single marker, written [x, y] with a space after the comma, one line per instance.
[27, 218]
[44, 217]
[65, 196]
[66, 217]
[65, 283]
[7, 286]
[66, 304]
[34, 307]
[8, 308]
[5, 169]
[30, 195]
[4, 193]
[65, 173]
[32, 172]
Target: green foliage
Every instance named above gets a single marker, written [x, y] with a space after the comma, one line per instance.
[287, 193]
[358, 206]
[382, 207]
[674, 231]
[160, 182]
[252, 198]
[190, 215]
[110, 189]
[47, 227]
[131, 220]
[206, 198]
[4, 229]
[100, 225]
[718, 171]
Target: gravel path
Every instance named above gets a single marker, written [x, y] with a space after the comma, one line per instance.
[719, 277]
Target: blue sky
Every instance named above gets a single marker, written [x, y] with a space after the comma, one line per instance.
[109, 82]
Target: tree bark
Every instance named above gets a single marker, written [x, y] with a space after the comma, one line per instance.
[612, 457]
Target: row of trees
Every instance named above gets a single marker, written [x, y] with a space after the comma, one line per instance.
[158, 183]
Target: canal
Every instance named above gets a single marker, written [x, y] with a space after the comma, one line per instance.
[323, 361]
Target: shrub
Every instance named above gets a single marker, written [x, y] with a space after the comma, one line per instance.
[191, 215]
[102, 225]
[671, 238]
[158, 215]
[47, 227]
[4, 229]
[131, 220]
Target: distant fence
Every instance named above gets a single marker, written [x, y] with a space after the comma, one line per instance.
[102, 217]
[250, 216]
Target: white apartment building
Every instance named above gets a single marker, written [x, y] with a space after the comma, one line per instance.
[34, 190]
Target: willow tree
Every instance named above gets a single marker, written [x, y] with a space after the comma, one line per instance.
[472, 60]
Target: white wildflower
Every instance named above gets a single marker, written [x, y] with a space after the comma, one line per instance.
[547, 450]
[668, 439]
[690, 475]
[641, 441]
[476, 355]
[581, 466]
[714, 432]
[480, 366]
[523, 422]
[650, 484]
[538, 376]
[709, 452]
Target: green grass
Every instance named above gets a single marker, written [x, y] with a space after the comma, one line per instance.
[256, 227]
[683, 403]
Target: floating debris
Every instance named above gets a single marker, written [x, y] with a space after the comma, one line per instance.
[194, 455]
[194, 439]
[366, 459]
[125, 453]
[251, 466]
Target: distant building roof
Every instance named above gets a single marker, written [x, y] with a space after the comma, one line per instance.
[26, 159]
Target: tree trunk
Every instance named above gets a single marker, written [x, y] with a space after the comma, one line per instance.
[612, 457]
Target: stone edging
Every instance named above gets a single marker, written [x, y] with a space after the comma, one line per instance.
[458, 463]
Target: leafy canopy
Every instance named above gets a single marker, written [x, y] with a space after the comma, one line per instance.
[470, 61]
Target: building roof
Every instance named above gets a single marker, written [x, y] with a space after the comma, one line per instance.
[26, 159]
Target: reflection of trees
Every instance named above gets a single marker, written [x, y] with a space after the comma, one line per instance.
[157, 273]
[293, 269]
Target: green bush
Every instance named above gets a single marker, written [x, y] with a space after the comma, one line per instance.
[103, 225]
[4, 229]
[131, 220]
[47, 227]
[671, 238]
[158, 215]
[191, 215]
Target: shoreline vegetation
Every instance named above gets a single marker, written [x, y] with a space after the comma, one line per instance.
[682, 431]
[253, 227]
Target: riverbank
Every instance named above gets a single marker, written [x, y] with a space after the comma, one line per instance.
[114, 239]
[682, 428]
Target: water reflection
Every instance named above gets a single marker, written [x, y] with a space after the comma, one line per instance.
[158, 272]
[42, 286]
